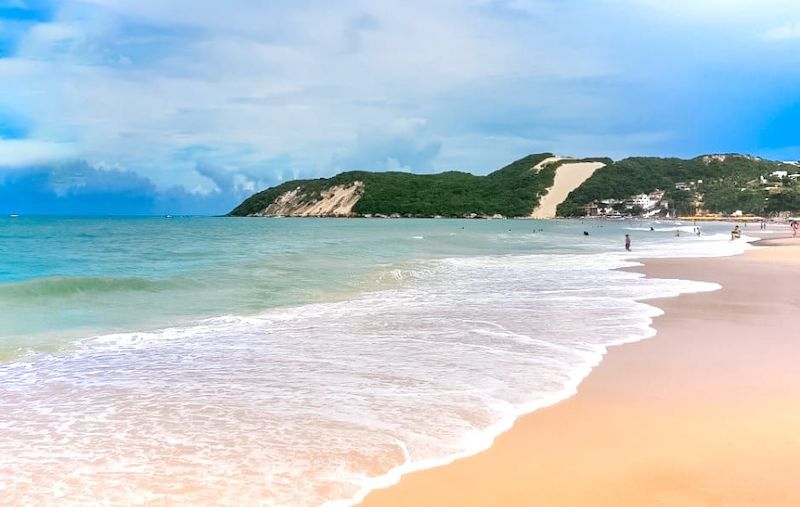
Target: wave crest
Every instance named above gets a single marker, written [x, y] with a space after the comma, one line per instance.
[64, 286]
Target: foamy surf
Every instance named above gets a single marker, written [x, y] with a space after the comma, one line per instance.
[318, 404]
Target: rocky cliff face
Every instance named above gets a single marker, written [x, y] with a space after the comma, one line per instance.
[336, 201]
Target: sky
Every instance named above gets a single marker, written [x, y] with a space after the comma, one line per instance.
[189, 106]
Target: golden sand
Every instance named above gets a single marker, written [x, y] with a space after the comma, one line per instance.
[706, 413]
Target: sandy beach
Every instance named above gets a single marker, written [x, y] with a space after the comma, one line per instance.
[706, 413]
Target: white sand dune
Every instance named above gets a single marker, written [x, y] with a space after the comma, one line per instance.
[340, 199]
[334, 201]
[546, 161]
[568, 177]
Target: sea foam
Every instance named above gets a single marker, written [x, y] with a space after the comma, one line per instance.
[320, 403]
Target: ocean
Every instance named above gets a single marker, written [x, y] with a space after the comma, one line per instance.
[257, 361]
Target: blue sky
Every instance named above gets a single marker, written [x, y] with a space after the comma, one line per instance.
[187, 106]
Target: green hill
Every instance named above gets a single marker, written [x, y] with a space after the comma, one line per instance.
[511, 191]
[724, 184]
[719, 183]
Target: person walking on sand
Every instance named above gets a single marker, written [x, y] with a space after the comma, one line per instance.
[628, 242]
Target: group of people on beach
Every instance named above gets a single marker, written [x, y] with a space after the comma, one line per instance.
[736, 233]
[695, 230]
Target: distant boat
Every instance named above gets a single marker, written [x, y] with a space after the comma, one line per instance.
[13, 215]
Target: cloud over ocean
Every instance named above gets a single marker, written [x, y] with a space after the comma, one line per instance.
[189, 104]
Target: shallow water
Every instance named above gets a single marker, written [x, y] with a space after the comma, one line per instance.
[295, 362]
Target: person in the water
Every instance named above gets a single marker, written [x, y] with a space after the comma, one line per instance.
[628, 242]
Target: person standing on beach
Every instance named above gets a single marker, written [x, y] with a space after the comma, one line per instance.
[628, 242]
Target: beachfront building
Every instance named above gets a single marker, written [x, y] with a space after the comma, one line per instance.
[656, 197]
[610, 207]
[638, 201]
[604, 208]
[783, 177]
[646, 202]
[650, 204]
[698, 205]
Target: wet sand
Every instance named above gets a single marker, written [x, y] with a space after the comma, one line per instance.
[706, 413]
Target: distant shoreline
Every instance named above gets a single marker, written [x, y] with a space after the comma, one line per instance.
[571, 219]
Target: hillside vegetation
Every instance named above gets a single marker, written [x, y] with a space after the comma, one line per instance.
[511, 191]
[713, 183]
[723, 183]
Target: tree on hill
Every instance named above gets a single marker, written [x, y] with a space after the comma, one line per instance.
[513, 191]
[719, 178]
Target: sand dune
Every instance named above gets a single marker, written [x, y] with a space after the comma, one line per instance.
[334, 201]
[546, 161]
[568, 178]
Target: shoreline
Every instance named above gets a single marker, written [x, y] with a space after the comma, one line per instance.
[582, 449]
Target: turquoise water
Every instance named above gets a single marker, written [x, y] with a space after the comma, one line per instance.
[66, 278]
[297, 361]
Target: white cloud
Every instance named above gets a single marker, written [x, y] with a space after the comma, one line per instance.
[16, 153]
[719, 9]
[164, 86]
[19, 4]
[285, 80]
[783, 32]
[735, 20]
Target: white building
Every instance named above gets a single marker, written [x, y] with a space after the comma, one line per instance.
[645, 201]
[606, 207]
